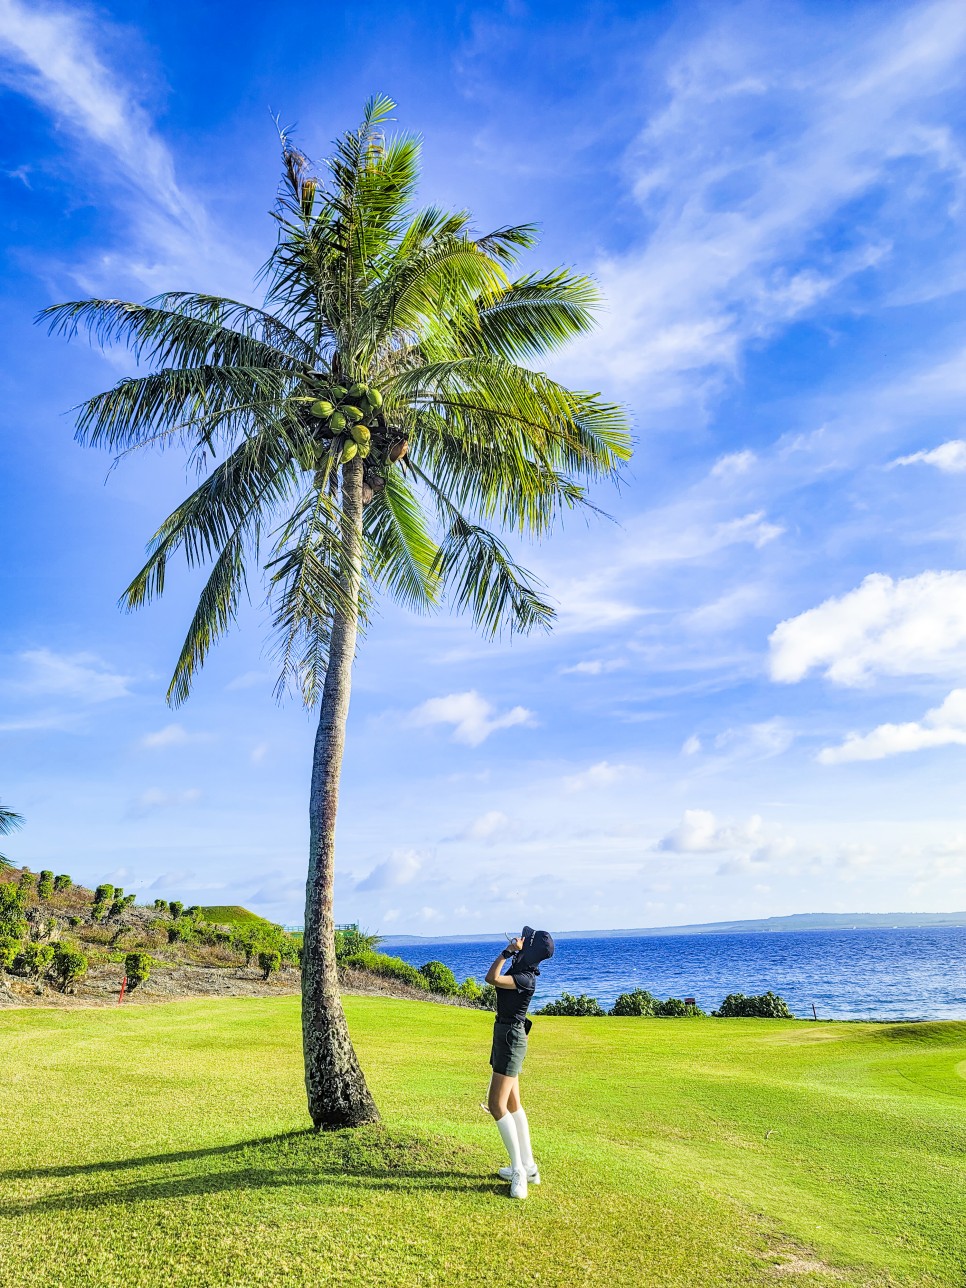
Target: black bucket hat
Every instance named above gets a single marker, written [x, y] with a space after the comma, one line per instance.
[537, 947]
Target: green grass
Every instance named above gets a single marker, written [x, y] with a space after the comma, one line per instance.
[226, 914]
[168, 1146]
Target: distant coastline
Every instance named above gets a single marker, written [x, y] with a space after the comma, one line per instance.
[765, 925]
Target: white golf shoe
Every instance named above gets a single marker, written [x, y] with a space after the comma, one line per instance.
[533, 1176]
[518, 1183]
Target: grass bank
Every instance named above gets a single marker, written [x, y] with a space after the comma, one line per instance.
[167, 1145]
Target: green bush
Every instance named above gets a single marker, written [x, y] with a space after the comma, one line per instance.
[637, 1002]
[675, 1009]
[69, 966]
[62, 882]
[269, 962]
[176, 908]
[388, 967]
[488, 997]
[471, 991]
[439, 977]
[35, 959]
[567, 1004]
[352, 941]
[9, 949]
[13, 924]
[766, 1006]
[161, 905]
[137, 968]
[27, 884]
[104, 894]
[45, 884]
[182, 931]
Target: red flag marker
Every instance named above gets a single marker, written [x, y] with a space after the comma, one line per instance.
[123, 987]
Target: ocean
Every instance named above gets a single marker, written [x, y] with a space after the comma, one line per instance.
[862, 974]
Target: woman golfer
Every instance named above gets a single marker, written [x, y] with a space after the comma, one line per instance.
[514, 989]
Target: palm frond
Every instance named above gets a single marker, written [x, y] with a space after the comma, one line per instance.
[402, 552]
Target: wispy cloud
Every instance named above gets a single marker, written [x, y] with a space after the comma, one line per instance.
[155, 798]
[399, 869]
[172, 735]
[765, 140]
[83, 677]
[53, 55]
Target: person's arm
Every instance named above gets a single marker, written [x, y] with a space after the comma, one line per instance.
[494, 975]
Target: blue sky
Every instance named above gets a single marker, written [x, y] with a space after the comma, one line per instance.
[754, 701]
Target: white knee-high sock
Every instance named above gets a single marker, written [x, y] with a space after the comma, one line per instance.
[508, 1130]
[523, 1136]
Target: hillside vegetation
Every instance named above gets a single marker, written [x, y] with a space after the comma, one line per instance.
[701, 1155]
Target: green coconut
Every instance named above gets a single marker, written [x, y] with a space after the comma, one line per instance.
[337, 422]
[360, 434]
[374, 398]
[358, 390]
[352, 413]
[321, 408]
[349, 451]
[338, 392]
[364, 450]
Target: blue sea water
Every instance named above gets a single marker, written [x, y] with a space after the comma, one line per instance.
[861, 974]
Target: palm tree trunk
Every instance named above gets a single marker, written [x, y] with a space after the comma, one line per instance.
[337, 1091]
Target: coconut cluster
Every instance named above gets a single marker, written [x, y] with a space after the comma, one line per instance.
[352, 423]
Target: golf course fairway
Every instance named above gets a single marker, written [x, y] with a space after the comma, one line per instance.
[168, 1145]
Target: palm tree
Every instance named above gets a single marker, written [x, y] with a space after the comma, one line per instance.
[9, 822]
[365, 431]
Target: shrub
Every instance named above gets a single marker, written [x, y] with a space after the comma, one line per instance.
[35, 959]
[182, 931]
[388, 967]
[100, 911]
[567, 1004]
[45, 884]
[176, 908]
[62, 882]
[767, 1006]
[9, 948]
[26, 884]
[13, 924]
[73, 921]
[137, 968]
[637, 1002]
[439, 977]
[161, 905]
[245, 941]
[352, 941]
[103, 894]
[674, 1009]
[471, 990]
[269, 962]
[488, 997]
[69, 966]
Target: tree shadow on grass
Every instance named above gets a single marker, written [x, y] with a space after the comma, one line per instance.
[370, 1158]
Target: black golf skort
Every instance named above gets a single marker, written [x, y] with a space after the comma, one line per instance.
[509, 1048]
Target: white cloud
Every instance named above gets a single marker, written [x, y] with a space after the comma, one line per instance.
[83, 677]
[603, 774]
[691, 746]
[699, 832]
[154, 799]
[248, 680]
[943, 726]
[488, 826]
[910, 626]
[52, 56]
[766, 738]
[596, 666]
[733, 464]
[949, 457]
[399, 869]
[172, 735]
[472, 717]
[769, 132]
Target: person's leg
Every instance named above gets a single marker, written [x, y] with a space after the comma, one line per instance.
[501, 1087]
[517, 1112]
